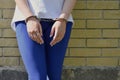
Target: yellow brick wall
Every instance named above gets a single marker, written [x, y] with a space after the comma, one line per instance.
[95, 37]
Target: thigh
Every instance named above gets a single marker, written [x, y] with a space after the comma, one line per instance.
[56, 54]
[32, 53]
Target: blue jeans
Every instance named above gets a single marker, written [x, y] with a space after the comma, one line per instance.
[42, 60]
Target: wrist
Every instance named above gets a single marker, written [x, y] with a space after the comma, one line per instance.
[32, 17]
[61, 20]
[64, 15]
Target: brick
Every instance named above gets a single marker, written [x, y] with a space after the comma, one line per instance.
[77, 43]
[8, 13]
[114, 33]
[79, 24]
[74, 62]
[102, 4]
[75, 33]
[94, 39]
[112, 14]
[7, 4]
[84, 52]
[1, 52]
[86, 33]
[11, 52]
[5, 23]
[111, 52]
[8, 42]
[9, 61]
[80, 5]
[8, 33]
[102, 24]
[102, 61]
[102, 43]
[87, 14]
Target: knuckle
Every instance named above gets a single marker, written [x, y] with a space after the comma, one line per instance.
[38, 34]
[31, 32]
[35, 30]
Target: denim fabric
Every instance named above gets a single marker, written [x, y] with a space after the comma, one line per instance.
[42, 60]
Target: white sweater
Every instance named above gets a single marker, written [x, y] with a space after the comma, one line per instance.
[42, 9]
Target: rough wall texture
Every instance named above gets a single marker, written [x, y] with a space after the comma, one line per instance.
[95, 37]
[81, 73]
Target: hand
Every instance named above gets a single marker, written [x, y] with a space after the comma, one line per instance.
[34, 30]
[57, 31]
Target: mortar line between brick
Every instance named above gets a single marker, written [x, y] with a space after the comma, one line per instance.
[93, 9]
[93, 57]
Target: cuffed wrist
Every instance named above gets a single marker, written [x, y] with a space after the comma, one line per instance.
[61, 19]
[31, 17]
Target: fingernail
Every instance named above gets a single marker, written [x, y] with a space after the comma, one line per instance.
[50, 35]
[42, 42]
[51, 45]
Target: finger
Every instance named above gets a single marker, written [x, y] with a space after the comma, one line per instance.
[40, 30]
[31, 35]
[55, 39]
[60, 38]
[53, 42]
[39, 38]
[52, 31]
[39, 34]
[34, 37]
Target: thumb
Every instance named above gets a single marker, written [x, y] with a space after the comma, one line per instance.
[52, 31]
[40, 29]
